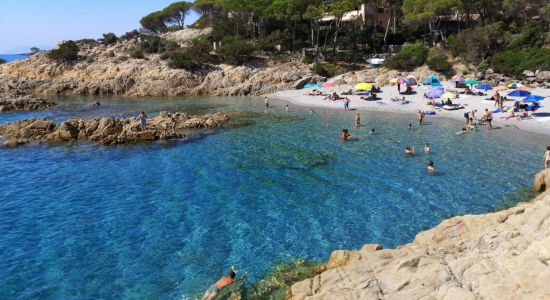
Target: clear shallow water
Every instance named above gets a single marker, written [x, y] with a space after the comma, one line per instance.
[165, 220]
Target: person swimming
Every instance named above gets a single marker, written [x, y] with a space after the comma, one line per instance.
[345, 135]
[357, 119]
[409, 150]
[431, 168]
[222, 283]
[462, 131]
[372, 131]
[411, 128]
[427, 148]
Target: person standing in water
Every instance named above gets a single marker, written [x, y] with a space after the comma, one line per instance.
[222, 283]
[547, 158]
[488, 118]
[266, 102]
[421, 116]
[427, 148]
[142, 118]
[286, 108]
[357, 119]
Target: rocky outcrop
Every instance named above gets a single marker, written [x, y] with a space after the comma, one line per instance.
[110, 70]
[107, 130]
[25, 103]
[502, 255]
[542, 181]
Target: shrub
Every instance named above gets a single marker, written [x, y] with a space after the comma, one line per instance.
[410, 57]
[131, 35]
[192, 57]
[88, 42]
[437, 60]
[137, 54]
[67, 51]
[156, 44]
[109, 39]
[482, 66]
[235, 50]
[476, 44]
[331, 69]
[514, 62]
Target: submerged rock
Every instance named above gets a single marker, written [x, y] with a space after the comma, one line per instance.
[106, 131]
[502, 255]
[25, 104]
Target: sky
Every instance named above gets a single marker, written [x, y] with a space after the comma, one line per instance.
[43, 23]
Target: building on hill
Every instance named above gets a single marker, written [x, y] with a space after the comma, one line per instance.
[370, 15]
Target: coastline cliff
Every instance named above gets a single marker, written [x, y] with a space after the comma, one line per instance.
[501, 255]
[104, 70]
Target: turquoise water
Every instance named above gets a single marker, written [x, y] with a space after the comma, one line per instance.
[164, 220]
[12, 57]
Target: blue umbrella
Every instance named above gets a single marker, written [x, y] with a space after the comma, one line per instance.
[518, 93]
[484, 87]
[436, 92]
[533, 98]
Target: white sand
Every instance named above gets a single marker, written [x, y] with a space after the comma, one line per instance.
[540, 123]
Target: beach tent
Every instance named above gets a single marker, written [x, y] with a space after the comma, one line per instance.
[432, 80]
[436, 92]
[363, 86]
[328, 84]
[313, 86]
[412, 80]
[533, 98]
[517, 93]
[484, 87]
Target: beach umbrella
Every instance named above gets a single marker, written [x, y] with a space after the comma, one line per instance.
[436, 92]
[448, 95]
[471, 81]
[517, 93]
[402, 80]
[484, 87]
[339, 82]
[533, 98]
[457, 78]
[328, 84]
[500, 88]
[363, 86]
[514, 85]
[412, 80]
[522, 88]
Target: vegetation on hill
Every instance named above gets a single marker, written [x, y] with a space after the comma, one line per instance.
[65, 52]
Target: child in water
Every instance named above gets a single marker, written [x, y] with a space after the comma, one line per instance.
[427, 148]
[345, 135]
[431, 168]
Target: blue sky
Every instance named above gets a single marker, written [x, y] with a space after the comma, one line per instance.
[42, 23]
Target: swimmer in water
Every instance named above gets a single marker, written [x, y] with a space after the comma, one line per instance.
[345, 135]
[286, 108]
[431, 168]
[411, 127]
[463, 131]
[409, 150]
[372, 131]
[427, 148]
[357, 119]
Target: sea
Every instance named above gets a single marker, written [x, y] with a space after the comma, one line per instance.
[13, 57]
[164, 220]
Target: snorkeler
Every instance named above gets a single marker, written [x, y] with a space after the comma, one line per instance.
[222, 283]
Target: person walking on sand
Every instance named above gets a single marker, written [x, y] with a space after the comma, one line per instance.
[357, 119]
[142, 118]
[398, 87]
[488, 118]
[346, 103]
[547, 158]
[222, 283]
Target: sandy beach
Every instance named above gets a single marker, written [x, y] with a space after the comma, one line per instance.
[538, 123]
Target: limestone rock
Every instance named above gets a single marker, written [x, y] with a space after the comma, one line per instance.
[302, 82]
[543, 76]
[528, 73]
[502, 255]
[26, 103]
[542, 181]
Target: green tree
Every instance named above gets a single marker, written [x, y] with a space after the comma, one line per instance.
[109, 39]
[410, 57]
[67, 51]
[430, 13]
[154, 22]
[313, 14]
[35, 50]
[286, 11]
[337, 8]
[176, 12]
[235, 50]
[209, 8]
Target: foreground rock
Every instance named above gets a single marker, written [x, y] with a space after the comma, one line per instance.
[542, 181]
[105, 131]
[25, 103]
[503, 255]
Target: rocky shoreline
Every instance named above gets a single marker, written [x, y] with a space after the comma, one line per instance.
[26, 103]
[107, 130]
[501, 255]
